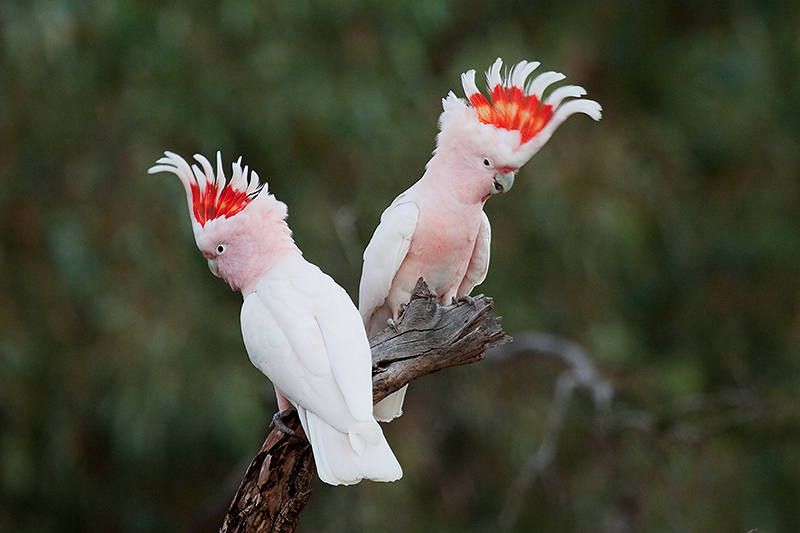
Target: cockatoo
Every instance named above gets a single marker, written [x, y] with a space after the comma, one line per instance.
[300, 328]
[437, 229]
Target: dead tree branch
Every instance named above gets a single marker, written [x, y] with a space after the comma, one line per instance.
[427, 338]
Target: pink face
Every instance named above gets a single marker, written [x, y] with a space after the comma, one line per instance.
[502, 177]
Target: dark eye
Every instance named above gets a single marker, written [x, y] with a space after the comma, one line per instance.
[220, 249]
[487, 163]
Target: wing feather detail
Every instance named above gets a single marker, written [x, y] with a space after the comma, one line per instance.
[318, 353]
[385, 253]
[479, 262]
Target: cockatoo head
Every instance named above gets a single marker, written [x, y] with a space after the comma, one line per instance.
[238, 226]
[503, 132]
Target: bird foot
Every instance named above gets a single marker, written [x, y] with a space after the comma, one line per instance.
[392, 324]
[277, 421]
[464, 298]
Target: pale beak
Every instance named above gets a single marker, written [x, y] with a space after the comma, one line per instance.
[503, 182]
[213, 267]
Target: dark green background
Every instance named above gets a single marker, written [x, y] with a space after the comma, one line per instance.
[664, 239]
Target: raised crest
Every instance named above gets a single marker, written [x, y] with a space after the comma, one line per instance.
[516, 103]
[210, 195]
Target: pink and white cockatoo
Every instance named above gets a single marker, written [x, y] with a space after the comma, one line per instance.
[300, 328]
[437, 229]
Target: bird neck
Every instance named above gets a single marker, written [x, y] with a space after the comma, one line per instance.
[269, 250]
[453, 172]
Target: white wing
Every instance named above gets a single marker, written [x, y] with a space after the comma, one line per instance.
[303, 331]
[479, 262]
[385, 253]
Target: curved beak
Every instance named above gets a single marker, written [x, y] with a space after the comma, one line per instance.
[213, 267]
[503, 182]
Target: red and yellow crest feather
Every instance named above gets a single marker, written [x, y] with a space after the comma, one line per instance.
[210, 195]
[511, 109]
[515, 103]
[210, 202]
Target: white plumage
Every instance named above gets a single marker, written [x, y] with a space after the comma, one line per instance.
[437, 229]
[300, 328]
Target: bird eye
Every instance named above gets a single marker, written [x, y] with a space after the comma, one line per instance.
[220, 249]
[487, 163]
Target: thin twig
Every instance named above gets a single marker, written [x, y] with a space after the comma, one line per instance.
[580, 374]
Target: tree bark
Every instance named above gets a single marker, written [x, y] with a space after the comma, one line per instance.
[427, 337]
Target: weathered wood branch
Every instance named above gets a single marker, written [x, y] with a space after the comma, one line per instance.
[427, 338]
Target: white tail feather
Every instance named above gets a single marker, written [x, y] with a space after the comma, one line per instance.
[390, 407]
[338, 463]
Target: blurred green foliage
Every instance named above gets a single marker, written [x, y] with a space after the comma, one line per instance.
[664, 239]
